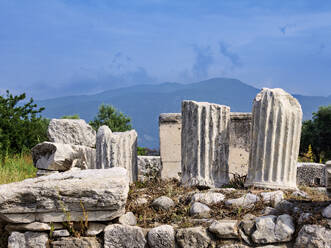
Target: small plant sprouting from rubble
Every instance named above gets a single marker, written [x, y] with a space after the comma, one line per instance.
[76, 229]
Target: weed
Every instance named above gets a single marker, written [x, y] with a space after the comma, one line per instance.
[237, 182]
[72, 227]
[52, 230]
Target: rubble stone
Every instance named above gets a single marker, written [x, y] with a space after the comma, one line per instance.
[224, 229]
[149, 167]
[122, 236]
[161, 237]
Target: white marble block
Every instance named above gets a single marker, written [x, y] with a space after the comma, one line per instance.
[170, 125]
[275, 137]
[240, 142]
[205, 144]
[117, 149]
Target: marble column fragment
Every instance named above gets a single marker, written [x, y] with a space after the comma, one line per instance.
[118, 149]
[205, 144]
[275, 140]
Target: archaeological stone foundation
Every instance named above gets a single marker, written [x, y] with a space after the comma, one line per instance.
[89, 178]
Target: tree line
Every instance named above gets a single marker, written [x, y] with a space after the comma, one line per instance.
[22, 127]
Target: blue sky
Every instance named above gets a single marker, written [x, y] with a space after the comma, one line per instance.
[64, 47]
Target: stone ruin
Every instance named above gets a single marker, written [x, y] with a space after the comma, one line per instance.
[275, 141]
[170, 129]
[205, 144]
[86, 175]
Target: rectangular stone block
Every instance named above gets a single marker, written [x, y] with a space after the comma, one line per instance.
[117, 149]
[240, 134]
[311, 174]
[170, 125]
[205, 144]
[102, 194]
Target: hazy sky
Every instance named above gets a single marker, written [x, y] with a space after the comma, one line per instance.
[52, 48]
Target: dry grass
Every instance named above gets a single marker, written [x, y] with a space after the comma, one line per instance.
[16, 168]
[179, 215]
[13, 169]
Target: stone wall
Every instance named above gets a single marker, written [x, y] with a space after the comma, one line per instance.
[170, 125]
[311, 174]
[240, 133]
[328, 177]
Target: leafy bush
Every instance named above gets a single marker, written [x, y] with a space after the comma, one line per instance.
[317, 133]
[109, 116]
[73, 117]
[21, 126]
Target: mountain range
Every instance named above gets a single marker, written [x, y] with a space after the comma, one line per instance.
[144, 103]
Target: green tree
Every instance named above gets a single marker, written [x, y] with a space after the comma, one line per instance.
[317, 132]
[109, 116]
[74, 117]
[20, 124]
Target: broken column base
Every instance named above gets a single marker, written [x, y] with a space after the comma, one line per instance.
[268, 185]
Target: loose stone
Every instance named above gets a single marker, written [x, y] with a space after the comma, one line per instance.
[274, 197]
[245, 201]
[199, 210]
[327, 212]
[163, 202]
[208, 198]
[128, 219]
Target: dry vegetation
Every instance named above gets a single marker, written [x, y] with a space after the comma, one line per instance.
[16, 168]
[179, 215]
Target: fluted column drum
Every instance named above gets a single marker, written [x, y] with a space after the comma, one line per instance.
[275, 140]
[117, 149]
[205, 144]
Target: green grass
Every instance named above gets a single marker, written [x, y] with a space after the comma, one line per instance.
[16, 168]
